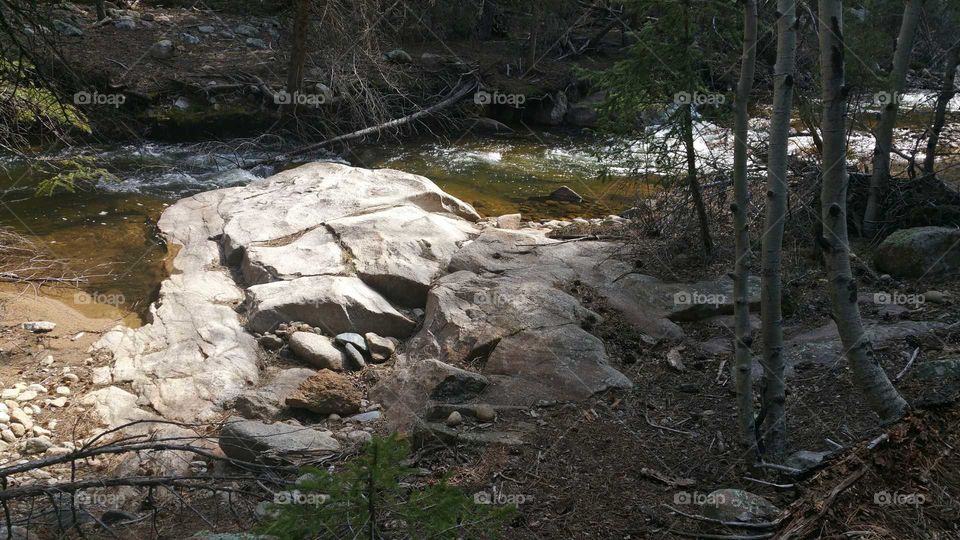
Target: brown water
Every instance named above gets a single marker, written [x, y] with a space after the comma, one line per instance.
[108, 233]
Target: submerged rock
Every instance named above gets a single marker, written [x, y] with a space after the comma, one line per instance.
[565, 194]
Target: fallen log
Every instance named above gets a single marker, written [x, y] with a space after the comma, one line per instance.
[459, 93]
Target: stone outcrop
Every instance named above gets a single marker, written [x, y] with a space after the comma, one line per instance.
[349, 252]
[296, 238]
[920, 252]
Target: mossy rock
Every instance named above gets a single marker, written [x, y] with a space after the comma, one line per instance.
[920, 252]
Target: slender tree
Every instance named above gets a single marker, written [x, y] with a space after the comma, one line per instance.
[101, 10]
[298, 47]
[873, 216]
[686, 119]
[947, 92]
[774, 393]
[868, 375]
[744, 332]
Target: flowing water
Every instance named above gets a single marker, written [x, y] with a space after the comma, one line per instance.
[108, 233]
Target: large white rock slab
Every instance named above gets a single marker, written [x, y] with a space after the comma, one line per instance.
[399, 251]
[304, 197]
[335, 304]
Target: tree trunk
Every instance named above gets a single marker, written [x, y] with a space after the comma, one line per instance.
[693, 182]
[774, 397]
[298, 50]
[873, 216]
[741, 295]
[868, 376]
[101, 10]
[947, 92]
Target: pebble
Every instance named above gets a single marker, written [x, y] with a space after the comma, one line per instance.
[21, 417]
[48, 361]
[360, 436]
[37, 445]
[365, 417]
[18, 430]
[349, 337]
[8, 436]
[62, 391]
[39, 327]
[71, 377]
[10, 393]
[334, 417]
[455, 419]
[486, 413]
[4, 417]
[40, 432]
[39, 388]
[26, 395]
[206, 29]
[58, 402]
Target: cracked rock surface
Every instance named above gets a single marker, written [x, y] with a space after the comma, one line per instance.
[345, 249]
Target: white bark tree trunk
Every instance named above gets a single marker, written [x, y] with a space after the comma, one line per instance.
[744, 333]
[774, 390]
[868, 376]
[873, 216]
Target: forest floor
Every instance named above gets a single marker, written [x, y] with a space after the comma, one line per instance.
[622, 464]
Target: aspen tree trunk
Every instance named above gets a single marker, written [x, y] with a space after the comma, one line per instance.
[947, 92]
[774, 390]
[873, 217]
[298, 49]
[741, 294]
[868, 376]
